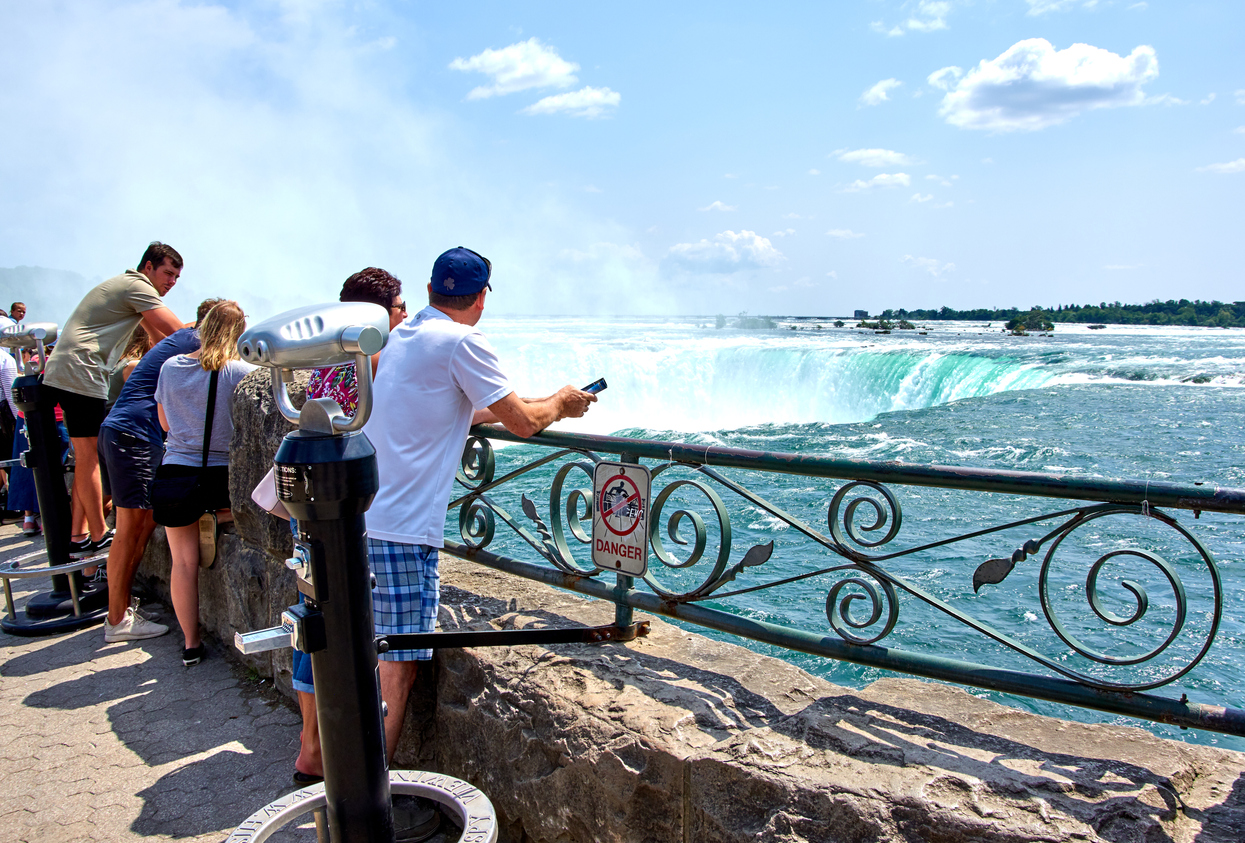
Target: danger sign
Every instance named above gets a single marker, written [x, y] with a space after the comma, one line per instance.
[620, 517]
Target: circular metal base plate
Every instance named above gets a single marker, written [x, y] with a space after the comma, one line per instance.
[471, 808]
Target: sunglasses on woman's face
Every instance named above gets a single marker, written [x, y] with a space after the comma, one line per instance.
[399, 306]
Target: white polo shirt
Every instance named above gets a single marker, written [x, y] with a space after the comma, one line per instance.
[433, 374]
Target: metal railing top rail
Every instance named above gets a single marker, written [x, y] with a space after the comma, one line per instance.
[1196, 496]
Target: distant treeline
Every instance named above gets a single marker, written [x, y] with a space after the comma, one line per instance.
[1213, 314]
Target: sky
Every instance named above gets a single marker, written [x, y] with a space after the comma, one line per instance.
[690, 158]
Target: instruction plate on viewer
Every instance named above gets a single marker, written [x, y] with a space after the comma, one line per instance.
[620, 498]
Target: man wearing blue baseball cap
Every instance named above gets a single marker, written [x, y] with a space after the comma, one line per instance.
[437, 377]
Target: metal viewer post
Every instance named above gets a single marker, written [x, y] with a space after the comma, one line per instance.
[326, 477]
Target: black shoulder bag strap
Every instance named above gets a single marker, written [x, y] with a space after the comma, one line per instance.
[211, 414]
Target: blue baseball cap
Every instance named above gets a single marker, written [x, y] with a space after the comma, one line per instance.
[461, 272]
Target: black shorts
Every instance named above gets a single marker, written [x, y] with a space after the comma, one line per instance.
[128, 466]
[212, 494]
[83, 414]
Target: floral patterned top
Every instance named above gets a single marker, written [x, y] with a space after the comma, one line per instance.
[338, 383]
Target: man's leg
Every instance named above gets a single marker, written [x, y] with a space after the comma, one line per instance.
[134, 528]
[396, 679]
[309, 761]
[87, 490]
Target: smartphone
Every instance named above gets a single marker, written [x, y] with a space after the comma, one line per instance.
[596, 386]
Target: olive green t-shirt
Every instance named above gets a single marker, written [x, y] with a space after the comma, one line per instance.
[97, 333]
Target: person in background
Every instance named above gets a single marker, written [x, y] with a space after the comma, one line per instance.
[22, 494]
[77, 373]
[17, 311]
[139, 344]
[8, 424]
[182, 396]
[131, 445]
[338, 383]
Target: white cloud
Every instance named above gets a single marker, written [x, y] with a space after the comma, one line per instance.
[877, 94]
[586, 102]
[729, 176]
[1208, 99]
[527, 64]
[787, 232]
[1041, 7]
[591, 188]
[945, 181]
[917, 197]
[832, 274]
[792, 216]
[930, 15]
[1237, 166]
[814, 172]
[843, 234]
[876, 158]
[1240, 96]
[1240, 130]
[880, 180]
[728, 252]
[719, 206]
[1032, 85]
[931, 265]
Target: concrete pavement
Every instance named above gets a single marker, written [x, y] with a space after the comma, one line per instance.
[120, 742]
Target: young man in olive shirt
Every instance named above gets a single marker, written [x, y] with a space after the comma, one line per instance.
[77, 372]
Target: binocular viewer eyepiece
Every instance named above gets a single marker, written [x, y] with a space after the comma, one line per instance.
[34, 335]
[28, 334]
[314, 337]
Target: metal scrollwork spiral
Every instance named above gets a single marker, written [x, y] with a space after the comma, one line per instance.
[1138, 561]
[476, 523]
[478, 464]
[700, 539]
[881, 597]
[578, 510]
[886, 514]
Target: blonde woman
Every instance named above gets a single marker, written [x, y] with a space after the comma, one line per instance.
[191, 492]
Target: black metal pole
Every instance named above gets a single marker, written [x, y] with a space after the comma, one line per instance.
[327, 482]
[44, 461]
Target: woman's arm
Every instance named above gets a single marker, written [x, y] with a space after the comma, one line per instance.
[164, 420]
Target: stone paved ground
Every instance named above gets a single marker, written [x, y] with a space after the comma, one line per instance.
[120, 742]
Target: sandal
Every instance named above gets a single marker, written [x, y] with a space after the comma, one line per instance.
[207, 539]
[306, 779]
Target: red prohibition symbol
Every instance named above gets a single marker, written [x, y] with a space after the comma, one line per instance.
[620, 505]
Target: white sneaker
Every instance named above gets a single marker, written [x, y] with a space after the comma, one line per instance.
[133, 627]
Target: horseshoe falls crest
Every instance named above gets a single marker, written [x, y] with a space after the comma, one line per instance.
[1124, 402]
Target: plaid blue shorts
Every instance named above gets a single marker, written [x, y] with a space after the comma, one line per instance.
[408, 591]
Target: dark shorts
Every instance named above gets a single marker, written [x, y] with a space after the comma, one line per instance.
[129, 467]
[212, 494]
[83, 414]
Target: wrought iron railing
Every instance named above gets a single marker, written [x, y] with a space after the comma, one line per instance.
[1132, 599]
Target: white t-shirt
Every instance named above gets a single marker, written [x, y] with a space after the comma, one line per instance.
[433, 374]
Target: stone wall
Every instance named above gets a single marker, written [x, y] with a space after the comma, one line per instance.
[680, 738]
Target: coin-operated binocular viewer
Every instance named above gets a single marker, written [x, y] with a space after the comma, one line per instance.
[70, 604]
[326, 477]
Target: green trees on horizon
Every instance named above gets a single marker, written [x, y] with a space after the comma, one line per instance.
[1214, 314]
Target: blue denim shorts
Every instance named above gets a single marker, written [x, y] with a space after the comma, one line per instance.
[407, 594]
